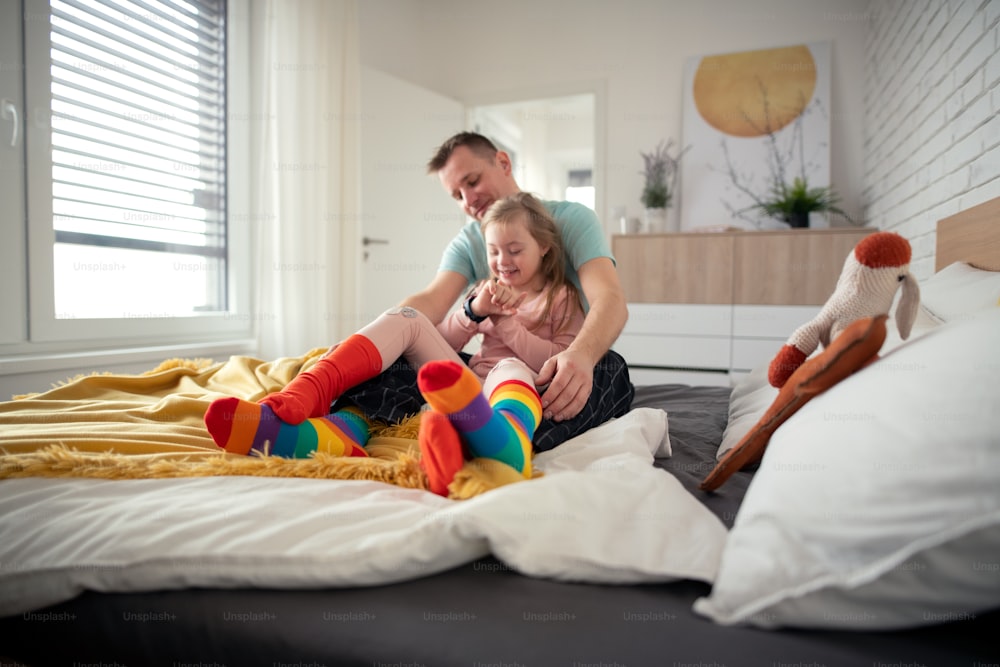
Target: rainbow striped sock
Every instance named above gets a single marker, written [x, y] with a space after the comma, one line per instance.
[241, 427]
[500, 431]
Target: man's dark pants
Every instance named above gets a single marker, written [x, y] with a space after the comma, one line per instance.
[393, 396]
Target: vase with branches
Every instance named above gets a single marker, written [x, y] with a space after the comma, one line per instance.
[787, 197]
[660, 171]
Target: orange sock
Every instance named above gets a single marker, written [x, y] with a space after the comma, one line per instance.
[441, 453]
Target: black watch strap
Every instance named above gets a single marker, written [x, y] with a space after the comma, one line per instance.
[468, 310]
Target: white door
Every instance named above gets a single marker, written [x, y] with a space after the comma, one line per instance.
[407, 219]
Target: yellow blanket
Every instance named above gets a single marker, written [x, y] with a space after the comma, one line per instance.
[151, 425]
[159, 411]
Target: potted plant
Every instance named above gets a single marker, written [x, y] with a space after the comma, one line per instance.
[788, 201]
[793, 203]
[660, 173]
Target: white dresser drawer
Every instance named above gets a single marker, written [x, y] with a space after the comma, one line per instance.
[770, 321]
[749, 353]
[679, 319]
[710, 352]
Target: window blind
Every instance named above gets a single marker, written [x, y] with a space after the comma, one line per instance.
[138, 125]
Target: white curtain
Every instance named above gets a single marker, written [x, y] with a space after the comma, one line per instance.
[306, 94]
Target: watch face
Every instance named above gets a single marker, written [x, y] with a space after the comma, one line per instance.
[467, 307]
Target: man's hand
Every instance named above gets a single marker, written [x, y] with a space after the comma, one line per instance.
[570, 377]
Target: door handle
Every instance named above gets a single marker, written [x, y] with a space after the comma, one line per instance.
[8, 110]
[367, 241]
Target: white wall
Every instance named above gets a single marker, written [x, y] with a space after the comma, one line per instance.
[932, 133]
[635, 48]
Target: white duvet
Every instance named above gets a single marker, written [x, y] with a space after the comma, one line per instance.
[601, 513]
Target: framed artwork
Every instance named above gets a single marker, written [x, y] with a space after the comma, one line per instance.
[751, 118]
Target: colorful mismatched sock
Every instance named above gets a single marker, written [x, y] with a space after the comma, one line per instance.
[502, 431]
[241, 427]
[521, 403]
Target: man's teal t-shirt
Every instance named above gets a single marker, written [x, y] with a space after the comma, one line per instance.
[582, 237]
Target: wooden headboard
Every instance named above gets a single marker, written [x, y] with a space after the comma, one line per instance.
[972, 236]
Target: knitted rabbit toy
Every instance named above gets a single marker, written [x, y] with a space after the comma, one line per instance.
[872, 273]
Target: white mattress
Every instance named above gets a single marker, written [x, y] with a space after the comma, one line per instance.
[601, 513]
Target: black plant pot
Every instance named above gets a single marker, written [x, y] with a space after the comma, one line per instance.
[798, 219]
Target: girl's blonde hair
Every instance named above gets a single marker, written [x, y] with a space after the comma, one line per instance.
[543, 229]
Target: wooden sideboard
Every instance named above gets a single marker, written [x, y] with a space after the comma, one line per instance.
[708, 307]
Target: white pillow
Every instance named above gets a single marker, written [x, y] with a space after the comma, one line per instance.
[751, 396]
[925, 321]
[877, 505]
[960, 290]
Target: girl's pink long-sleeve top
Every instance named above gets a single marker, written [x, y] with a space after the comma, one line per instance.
[512, 337]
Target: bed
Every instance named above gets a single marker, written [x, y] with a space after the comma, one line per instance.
[869, 533]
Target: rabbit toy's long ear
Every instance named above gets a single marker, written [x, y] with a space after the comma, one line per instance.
[909, 304]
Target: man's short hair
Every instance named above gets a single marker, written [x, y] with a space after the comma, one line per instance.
[475, 142]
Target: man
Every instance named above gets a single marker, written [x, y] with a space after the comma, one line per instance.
[587, 383]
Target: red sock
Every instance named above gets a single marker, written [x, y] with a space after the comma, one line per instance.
[310, 393]
[440, 451]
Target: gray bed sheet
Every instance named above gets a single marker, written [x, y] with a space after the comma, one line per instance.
[696, 420]
[481, 614]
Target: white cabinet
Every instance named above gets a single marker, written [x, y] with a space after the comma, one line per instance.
[707, 308]
[760, 331]
[664, 342]
[704, 344]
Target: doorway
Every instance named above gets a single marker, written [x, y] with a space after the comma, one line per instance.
[551, 142]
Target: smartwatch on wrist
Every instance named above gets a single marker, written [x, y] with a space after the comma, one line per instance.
[468, 310]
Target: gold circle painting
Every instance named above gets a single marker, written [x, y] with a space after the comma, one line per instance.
[754, 93]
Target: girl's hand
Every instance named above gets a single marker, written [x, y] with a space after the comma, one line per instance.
[494, 298]
[505, 298]
[482, 305]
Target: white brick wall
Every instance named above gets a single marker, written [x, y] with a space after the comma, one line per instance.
[932, 115]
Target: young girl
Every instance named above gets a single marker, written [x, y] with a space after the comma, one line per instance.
[526, 313]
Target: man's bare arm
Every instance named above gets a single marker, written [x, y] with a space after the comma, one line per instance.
[439, 296]
[608, 312]
[570, 374]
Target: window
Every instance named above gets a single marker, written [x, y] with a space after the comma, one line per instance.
[580, 187]
[138, 222]
[138, 157]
